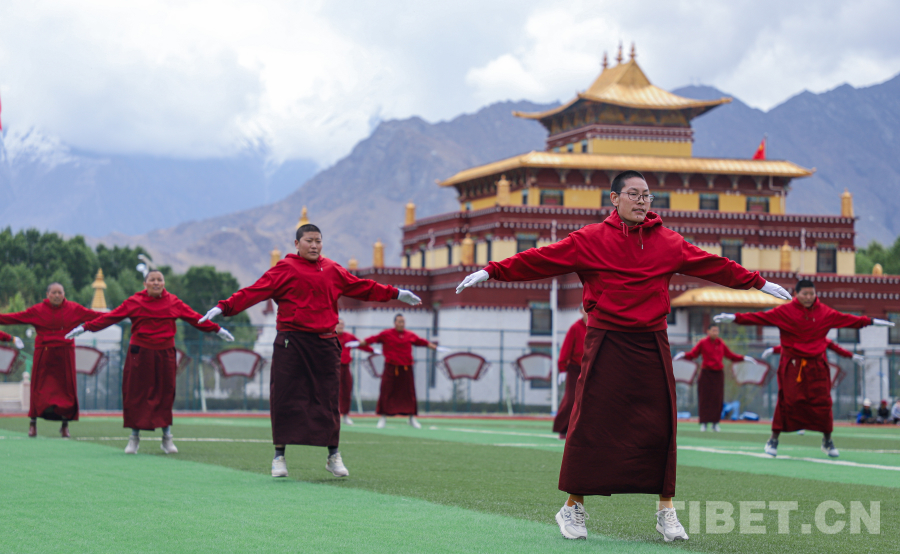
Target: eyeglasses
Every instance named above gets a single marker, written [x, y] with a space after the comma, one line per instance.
[648, 198]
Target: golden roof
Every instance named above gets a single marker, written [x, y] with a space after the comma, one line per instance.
[621, 162]
[626, 85]
[723, 297]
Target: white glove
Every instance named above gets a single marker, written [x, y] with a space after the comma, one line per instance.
[724, 318]
[751, 359]
[562, 377]
[226, 336]
[408, 297]
[75, 332]
[18, 342]
[352, 344]
[768, 352]
[376, 348]
[442, 349]
[472, 280]
[775, 290]
[678, 356]
[859, 358]
[211, 314]
[882, 322]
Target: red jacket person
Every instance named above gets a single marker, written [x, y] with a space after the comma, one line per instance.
[346, 376]
[569, 365]
[306, 360]
[621, 437]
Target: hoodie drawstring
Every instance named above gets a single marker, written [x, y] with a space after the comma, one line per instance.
[640, 233]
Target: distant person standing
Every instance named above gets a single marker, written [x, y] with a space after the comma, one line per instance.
[346, 395]
[148, 379]
[397, 395]
[569, 366]
[54, 394]
[711, 384]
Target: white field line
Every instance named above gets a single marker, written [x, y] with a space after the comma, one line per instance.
[813, 460]
[524, 444]
[506, 433]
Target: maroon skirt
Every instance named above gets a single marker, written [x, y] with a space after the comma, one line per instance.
[304, 389]
[804, 395]
[398, 391]
[710, 395]
[54, 391]
[346, 389]
[621, 437]
[148, 387]
[561, 421]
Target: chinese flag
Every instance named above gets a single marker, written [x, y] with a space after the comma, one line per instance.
[761, 151]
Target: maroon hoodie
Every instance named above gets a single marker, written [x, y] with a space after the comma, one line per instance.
[625, 270]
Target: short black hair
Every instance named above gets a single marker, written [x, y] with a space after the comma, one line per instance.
[396, 316]
[308, 228]
[55, 283]
[619, 180]
[147, 276]
[804, 284]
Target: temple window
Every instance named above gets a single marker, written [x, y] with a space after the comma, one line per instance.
[540, 318]
[709, 202]
[605, 202]
[731, 249]
[570, 148]
[551, 197]
[758, 204]
[524, 243]
[660, 200]
[847, 334]
[449, 253]
[524, 197]
[826, 257]
[422, 253]
[894, 332]
[584, 146]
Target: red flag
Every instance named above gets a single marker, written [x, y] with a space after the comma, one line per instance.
[761, 151]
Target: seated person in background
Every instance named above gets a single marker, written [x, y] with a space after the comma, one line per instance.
[865, 415]
[895, 412]
[884, 414]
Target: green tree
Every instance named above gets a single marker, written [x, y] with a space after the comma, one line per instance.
[876, 253]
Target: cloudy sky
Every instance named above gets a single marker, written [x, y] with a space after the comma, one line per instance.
[310, 79]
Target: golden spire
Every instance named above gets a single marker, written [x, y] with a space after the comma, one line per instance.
[503, 191]
[605, 63]
[304, 220]
[378, 254]
[633, 54]
[877, 270]
[846, 204]
[274, 257]
[785, 257]
[467, 251]
[352, 264]
[99, 285]
[619, 56]
[410, 214]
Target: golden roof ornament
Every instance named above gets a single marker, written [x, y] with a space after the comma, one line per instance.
[605, 63]
[467, 251]
[352, 264]
[274, 257]
[846, 204]
[785, 257]
[378, 254]
[410, 214]
[99, 285]
[633, 54]
[619, 57]
[877, 270]
[304, 220]
[503, 191]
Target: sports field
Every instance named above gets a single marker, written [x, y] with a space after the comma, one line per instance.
[456, 485]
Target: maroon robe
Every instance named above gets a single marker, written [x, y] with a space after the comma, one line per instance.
[397, 395]
[346, 376]
[570, 356]
[711, 383]
[804, 380]
[148, 379]
[54, 390]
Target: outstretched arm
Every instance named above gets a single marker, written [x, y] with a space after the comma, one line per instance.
[367, 289]
[264, 288]
[731, 355]
[27, 317]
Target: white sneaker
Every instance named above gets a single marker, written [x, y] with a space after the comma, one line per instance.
[772, 447]
[168, 445]
[667, 523]
[347, 420]
[414, 422]
[279, 467]
[702, 427]
[336, 466]
[134, 442]
[828, 448]
[571, 521]
[381, 423]
[716, 427]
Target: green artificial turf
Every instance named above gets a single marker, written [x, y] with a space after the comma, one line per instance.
[460, 464]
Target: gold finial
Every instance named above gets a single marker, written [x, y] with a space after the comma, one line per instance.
[304, 220]
[352, 264]
[785, 256]
[99, 285]
[846, 204]
[503, 191]
[467, 251]
[605, 63]
[877, 270]
[274, 257]
[378, 254]
[619, 56]
[410, 214]
[633, 54]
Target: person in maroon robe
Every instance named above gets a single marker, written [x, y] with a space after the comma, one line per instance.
[831, 345]
[346, 395]
[306, 360]
[148, 379]
[804, 380]
[621, 437]
[569, 365]
[54, 393]
[711, 383]
[397, 395]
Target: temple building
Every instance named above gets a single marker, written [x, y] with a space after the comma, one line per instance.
[730, 207]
